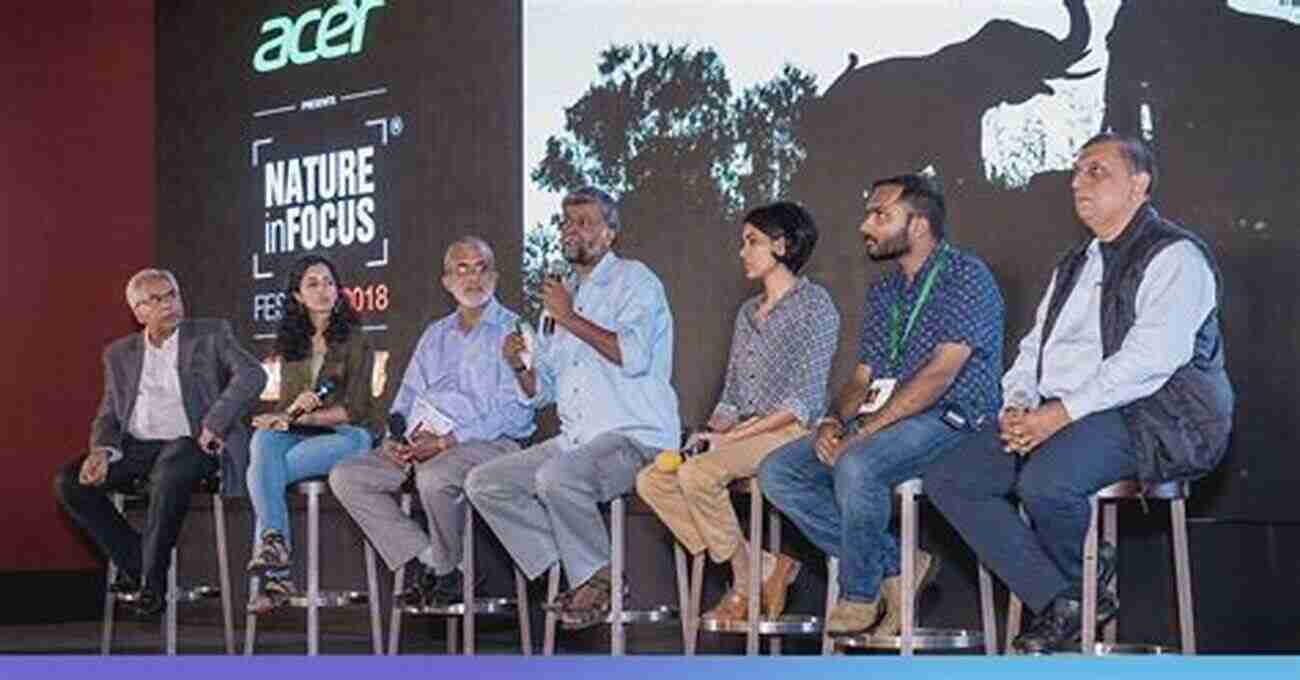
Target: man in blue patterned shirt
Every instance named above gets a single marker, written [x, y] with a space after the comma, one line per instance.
[606, 364]
[928, 362]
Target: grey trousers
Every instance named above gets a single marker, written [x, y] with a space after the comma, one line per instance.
[542, 501]
[365, 485]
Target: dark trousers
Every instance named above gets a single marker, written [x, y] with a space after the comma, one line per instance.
[168, 471]
[974, 485]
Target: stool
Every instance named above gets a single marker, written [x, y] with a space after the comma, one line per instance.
[1174, 492]
[467, 613]
[175, 594]
[313, 488]
[910, 637]
[619, 617]
[755, 625]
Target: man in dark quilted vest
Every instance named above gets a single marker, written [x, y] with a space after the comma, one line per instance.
[1121, 377]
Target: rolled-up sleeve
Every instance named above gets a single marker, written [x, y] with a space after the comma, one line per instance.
[640, 320]
[812, 344]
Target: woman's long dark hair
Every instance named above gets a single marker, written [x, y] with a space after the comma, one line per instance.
[293, 337]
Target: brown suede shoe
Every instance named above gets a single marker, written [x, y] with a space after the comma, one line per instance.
[776, 584]
[849, 617]
[891, 592]
[734, 606]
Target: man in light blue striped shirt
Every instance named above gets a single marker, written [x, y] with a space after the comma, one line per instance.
[606, 365]
[458, 400]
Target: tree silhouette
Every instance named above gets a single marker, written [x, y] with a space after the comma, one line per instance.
[767, 116]
[661, 129]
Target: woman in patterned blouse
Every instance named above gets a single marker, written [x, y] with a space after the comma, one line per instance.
[775, 389]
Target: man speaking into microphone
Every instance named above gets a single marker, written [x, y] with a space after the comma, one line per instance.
[456, 408]
[607, 368]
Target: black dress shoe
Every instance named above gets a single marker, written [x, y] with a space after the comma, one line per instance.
[148, 604]
[423, 583]
[451, 589]
[1058, 627]
[124, 584]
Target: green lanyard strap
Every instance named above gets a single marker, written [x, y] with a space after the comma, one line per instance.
[896, 342]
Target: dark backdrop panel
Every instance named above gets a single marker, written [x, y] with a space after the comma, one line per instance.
[438, 108]
[1219, 110]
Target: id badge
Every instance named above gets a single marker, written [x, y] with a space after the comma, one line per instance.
[877, 394]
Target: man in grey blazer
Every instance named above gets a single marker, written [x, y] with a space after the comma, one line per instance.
[170, 416]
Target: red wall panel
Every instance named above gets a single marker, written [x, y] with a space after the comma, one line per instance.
[77, 217]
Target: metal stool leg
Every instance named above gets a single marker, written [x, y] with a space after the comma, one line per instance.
[467, 570]
[987, 616]
[1183, 575]
[908, 567]
[313, 572]
[774, 547]
[552, 590]
[453, 635]
[1089, 633]
[525, 621]
[110, 600]
[684, 600]
[697, 596]
[399, 578]
[372, 594]
[250, 620]
[1014, 610]
[223, 570]
[618, 534]
[755, 564]
[1110, 533]
[832, 594]
[173, 597]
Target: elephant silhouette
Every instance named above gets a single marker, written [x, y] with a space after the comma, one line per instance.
[906, 113]
[1213, 90]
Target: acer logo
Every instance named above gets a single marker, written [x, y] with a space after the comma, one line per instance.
[318, 34]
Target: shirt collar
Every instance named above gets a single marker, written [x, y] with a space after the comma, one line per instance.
[168, 346]
[931, 261]
[493, 314]
[601, 272]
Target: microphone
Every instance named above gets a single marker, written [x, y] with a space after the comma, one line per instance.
[322, 390]
[556, 271]
[669, 460]
[397, 428]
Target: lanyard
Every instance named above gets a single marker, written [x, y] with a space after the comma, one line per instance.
[896, 342]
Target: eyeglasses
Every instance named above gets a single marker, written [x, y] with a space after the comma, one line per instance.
[465, 271]
[154, 300]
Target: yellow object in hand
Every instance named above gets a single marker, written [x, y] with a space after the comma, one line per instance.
[668, 460]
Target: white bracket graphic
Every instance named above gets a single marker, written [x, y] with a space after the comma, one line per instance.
[364, 93]
[382, 124]
[381, 262]
[257, 143]
[259, 274]
[371, 328]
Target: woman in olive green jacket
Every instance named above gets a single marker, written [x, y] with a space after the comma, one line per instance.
[326, 412]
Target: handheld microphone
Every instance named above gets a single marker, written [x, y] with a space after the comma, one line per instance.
[397, 428]
[557, 272]
[322, 390]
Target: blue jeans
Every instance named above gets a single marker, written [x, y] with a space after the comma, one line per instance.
[845, 509]
[277, 459]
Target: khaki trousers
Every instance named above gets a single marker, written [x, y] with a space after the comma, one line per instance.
[693, 500]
